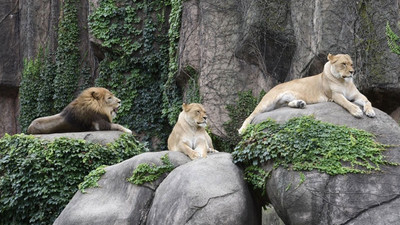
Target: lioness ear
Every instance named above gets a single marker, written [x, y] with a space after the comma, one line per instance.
[331, 58]
[185, 107]
[95, 95]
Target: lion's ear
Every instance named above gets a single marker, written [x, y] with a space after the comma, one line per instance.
[95, 95]
[331, 58]
[185, 107]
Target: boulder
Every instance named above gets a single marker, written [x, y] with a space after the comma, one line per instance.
[207, 191]
[362, 199]
[101, 137]
[204, 191]
[116, 201]
[253, 45]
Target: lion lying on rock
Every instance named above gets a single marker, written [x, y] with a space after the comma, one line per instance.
[92, 110]
[189, 135]
[335, 83]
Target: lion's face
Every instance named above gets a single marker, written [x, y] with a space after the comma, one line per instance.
[342, 65]
[195, 114]
[106, 99]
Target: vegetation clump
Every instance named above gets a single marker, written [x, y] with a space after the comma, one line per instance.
[305, 144]
[145, 173]
[38, 178]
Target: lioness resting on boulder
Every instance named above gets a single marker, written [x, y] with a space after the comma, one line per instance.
[92, 110]
[335, 83]
[189, 135]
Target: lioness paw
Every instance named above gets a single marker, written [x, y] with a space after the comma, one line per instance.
[370, 113]
[357, 112]
[194, 155]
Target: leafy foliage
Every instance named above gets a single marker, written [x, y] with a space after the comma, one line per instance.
[145, 173]
[48, 85]
[91, 179]
[306, 144]
[67, 56]
[393, 40]
[256, 177]
[38, 178]
[136, 64]
[30, 84]
[238, 112]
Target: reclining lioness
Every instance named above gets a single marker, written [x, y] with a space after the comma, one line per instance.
[189, 135]
[335, 83]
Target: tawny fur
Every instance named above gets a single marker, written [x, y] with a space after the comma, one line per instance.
[189, 135]
[92, 110]
[335, 83]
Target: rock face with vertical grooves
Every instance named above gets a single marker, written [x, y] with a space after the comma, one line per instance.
[204, 191]
[358, 199]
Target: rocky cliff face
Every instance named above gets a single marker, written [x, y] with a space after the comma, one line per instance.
[234, 45]
[342, 199]
[253, 44]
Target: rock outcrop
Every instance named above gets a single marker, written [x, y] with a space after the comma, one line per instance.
[362, 199]
[101, 137]
[234, 46]
[204, 191]
[253, 45]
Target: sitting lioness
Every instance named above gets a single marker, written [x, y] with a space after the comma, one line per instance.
[335, 83]
[189, 135]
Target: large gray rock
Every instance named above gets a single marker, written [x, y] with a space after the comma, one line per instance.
[101, 137]
[253, 45]
[359, 199]
[204, 191]
[117, 201]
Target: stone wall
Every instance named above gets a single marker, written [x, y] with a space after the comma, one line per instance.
[235, 45]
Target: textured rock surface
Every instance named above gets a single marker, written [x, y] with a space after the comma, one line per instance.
[366, 199]
[204, 191]
[253, 44]
[101, 137]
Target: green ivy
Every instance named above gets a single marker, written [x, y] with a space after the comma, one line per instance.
[38, 178]
[30, 84]
[306, 144]
[48, 84]
[135, 38]
[67, 56]
[90, 181]
[237, 112]
[145, 173]
[256, 177]
[393, 40]
[172, 100]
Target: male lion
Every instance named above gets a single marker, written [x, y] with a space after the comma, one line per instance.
[92, 110]
[335, 83]
[189, 135]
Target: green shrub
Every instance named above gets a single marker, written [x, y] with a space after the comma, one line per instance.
[38, 178]
[145, 173]
[238, 112]
[306, 144]
[393, 40]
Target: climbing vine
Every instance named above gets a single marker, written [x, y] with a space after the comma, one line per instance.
[238, 111]
[139, 45]
[305, 144]
[393, 40]
[30, 84]
[145, 173]
[50, 83]
[38, 178]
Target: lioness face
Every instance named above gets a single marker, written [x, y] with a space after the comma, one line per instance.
[196, 113]
[342, 65]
